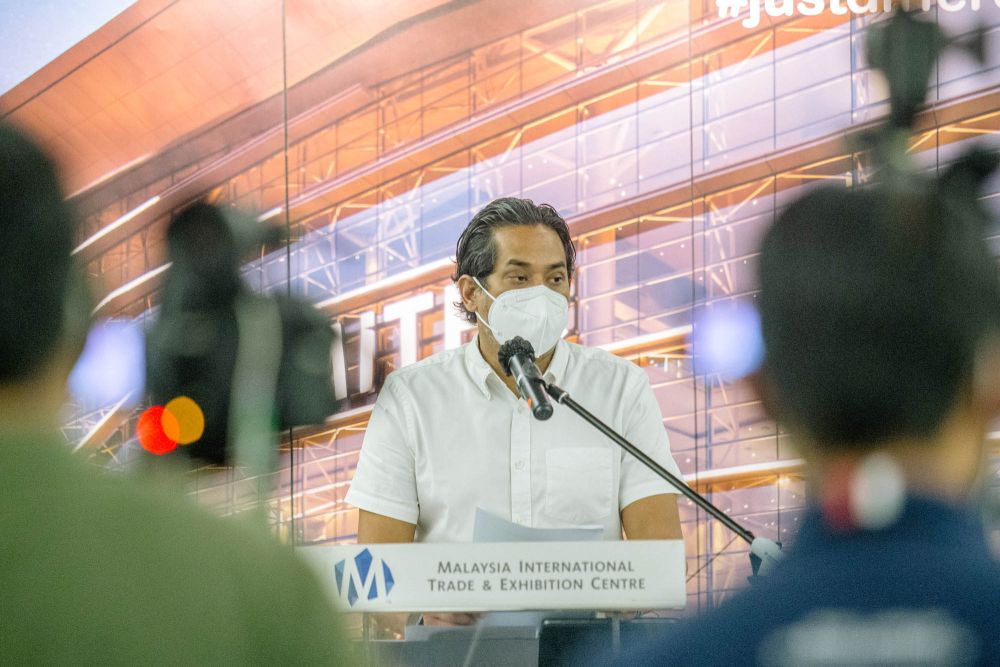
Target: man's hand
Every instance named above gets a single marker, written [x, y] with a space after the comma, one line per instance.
[451, 619]
[388, 626]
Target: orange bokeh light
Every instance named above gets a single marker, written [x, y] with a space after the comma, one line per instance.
[183, 420]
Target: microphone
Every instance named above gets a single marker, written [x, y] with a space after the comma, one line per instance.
[517, 359]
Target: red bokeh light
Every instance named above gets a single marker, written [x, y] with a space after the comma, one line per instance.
[150, 432]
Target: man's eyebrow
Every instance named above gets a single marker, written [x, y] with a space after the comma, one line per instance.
[528, 265]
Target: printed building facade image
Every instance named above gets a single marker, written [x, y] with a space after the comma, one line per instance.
[666, 135]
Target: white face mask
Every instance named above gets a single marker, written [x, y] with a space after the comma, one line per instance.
[536, 314]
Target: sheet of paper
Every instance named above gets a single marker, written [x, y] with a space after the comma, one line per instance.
[491, 528]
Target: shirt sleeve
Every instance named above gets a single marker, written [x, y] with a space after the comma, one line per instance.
[644, 428]
[385, 480]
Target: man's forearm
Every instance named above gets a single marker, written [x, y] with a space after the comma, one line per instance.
[378, 529]
[653, 518]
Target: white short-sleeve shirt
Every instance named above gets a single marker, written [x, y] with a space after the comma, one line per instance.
[447, 436]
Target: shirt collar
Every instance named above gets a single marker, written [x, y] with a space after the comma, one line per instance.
[480, 371]
[556, 371]
[476, 366]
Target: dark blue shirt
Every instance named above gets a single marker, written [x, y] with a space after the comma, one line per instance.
[924, 591]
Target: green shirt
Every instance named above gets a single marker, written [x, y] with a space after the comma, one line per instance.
[96, 570]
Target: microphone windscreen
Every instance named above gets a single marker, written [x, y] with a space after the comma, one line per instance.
[515, 346]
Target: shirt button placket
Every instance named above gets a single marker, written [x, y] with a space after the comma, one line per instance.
[520, 465]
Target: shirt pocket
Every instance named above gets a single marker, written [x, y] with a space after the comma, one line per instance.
[578, 484]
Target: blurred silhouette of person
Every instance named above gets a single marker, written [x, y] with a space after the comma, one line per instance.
[880, 311]
[96, 570]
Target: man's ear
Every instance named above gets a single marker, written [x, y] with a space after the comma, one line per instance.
[470, 293]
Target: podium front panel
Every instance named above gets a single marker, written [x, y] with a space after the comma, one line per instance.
[502, 576]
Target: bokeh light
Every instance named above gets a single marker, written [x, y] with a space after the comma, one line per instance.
[111, 367]
[151, 433]
[183, 420]
[728, 340]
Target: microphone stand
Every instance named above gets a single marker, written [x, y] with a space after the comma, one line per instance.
[764, 553]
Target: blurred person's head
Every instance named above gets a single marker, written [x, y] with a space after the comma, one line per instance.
[511, 244]
[881, 314]
[41, 301]
[205, 261]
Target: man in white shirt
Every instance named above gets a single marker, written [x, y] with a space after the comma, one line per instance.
[451, 434]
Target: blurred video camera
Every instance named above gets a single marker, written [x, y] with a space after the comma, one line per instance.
[906, 50]
[243, 364]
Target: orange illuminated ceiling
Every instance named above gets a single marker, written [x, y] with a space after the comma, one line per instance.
[164, 68]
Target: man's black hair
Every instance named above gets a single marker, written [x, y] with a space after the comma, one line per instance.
[476, 252]
[36, 241]
[873, 307]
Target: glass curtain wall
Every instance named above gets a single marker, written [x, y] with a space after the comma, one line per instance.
[669, 138]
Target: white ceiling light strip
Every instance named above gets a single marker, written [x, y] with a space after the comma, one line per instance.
[107, 229]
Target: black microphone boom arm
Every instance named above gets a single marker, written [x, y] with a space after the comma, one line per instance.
[764, 553]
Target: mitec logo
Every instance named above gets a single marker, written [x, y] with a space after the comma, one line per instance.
[363, 576]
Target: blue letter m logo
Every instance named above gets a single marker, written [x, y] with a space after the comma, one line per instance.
[362, 575]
